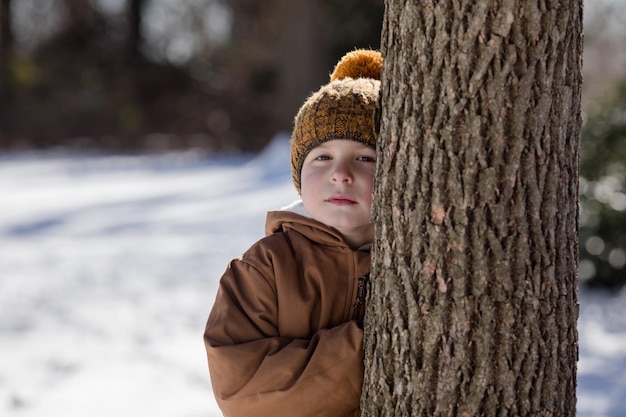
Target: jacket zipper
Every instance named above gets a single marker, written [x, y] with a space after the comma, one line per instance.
[361, 295]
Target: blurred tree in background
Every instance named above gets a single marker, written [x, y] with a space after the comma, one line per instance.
[603, 148]
[603, 192]
[136, 75]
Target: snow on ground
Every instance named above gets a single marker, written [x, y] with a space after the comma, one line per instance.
[109, 266]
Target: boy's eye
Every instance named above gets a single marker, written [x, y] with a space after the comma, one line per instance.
[322, 158]
[366, 158]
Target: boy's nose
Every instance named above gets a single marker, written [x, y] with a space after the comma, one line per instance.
[341, 174]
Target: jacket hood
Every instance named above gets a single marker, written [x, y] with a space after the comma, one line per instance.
[295, 217]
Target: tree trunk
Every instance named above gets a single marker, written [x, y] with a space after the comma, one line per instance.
[135, 34]
[303, 56]
[80, 16]
[6, 28]
[473, 302]
[282, 45]
[81, 24]
[6, 51]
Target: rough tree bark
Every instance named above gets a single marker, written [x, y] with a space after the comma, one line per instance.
[473, 302]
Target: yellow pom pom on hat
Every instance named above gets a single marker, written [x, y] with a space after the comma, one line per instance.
[341, 109]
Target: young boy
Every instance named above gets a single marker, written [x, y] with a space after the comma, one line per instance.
[284, 337]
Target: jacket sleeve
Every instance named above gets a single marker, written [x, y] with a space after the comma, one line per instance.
[256, 372]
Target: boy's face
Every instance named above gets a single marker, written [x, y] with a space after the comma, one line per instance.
[337, 182]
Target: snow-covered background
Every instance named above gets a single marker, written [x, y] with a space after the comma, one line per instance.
[109, 266]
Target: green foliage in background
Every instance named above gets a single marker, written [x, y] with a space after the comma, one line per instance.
[603, 192]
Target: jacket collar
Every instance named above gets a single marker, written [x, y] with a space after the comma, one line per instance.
[295, 217]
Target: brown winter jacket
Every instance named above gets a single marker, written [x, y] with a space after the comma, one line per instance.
[283, 337]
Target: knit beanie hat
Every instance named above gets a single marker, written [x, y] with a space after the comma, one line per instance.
[341, 109]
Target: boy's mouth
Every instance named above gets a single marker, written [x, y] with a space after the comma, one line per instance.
[340, 200]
